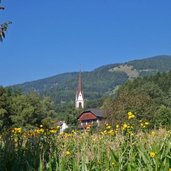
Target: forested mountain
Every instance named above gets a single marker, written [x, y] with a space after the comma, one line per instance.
[97, 83]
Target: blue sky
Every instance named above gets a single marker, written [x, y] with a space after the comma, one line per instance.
[57, 36]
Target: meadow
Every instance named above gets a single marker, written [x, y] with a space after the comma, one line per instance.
[111, 148]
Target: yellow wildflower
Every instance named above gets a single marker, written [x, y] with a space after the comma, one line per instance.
[16, 130]
[53, 131]
[39, 131]
[74, 132]
[146, 123]
[153, 133]
[117, 126]
[131, 133]
[152, 154]
[58, 127]
[67, 153]
[130, 113]
[108, 127]
[94, 139]
[128, 126]
[111, 132]
[142, 124]
[124, 126]
[130, 117]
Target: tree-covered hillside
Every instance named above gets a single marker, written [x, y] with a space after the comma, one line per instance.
[147, 97]
[97, 83]
[152, 65]
[62, 87]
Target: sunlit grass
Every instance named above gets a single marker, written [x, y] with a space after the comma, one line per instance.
[117, 147]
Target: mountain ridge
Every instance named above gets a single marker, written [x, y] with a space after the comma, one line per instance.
[98, 82]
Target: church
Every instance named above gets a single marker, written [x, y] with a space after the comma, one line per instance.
[79, 99]
[89, 116]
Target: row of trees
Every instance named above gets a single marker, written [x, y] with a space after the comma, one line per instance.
[149, 98]
[18, 110]
[31, 110]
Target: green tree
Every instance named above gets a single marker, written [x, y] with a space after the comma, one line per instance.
[163, 116]
[19, 110]
[5, 110]
[3, 26]
[116, 109]
[30, 110]
[48, 108]
[26, 110]
[149, 97]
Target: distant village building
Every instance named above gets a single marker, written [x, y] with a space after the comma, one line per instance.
[79, 99]
[90, 117]
[63, 126]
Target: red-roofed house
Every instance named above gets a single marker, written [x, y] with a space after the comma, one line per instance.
[90, 116]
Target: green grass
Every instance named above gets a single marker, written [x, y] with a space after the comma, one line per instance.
[102, 151]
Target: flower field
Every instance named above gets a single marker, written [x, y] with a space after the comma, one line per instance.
[117, 148]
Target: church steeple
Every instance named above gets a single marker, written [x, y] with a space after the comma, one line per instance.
[79, 99]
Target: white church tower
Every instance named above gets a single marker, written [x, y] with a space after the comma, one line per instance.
[79, 99]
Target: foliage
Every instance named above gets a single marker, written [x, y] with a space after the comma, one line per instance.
[3, 27]
[21, 110]
[149, 97]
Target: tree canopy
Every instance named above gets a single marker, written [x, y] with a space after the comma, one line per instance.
[149, 98]
[18, 110]
[3, 26]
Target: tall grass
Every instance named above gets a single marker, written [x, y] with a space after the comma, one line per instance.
[46, 150]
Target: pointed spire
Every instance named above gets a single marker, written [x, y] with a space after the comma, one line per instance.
[79, 88]
[79, 100]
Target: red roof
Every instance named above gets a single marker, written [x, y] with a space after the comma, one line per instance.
[87, 116]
